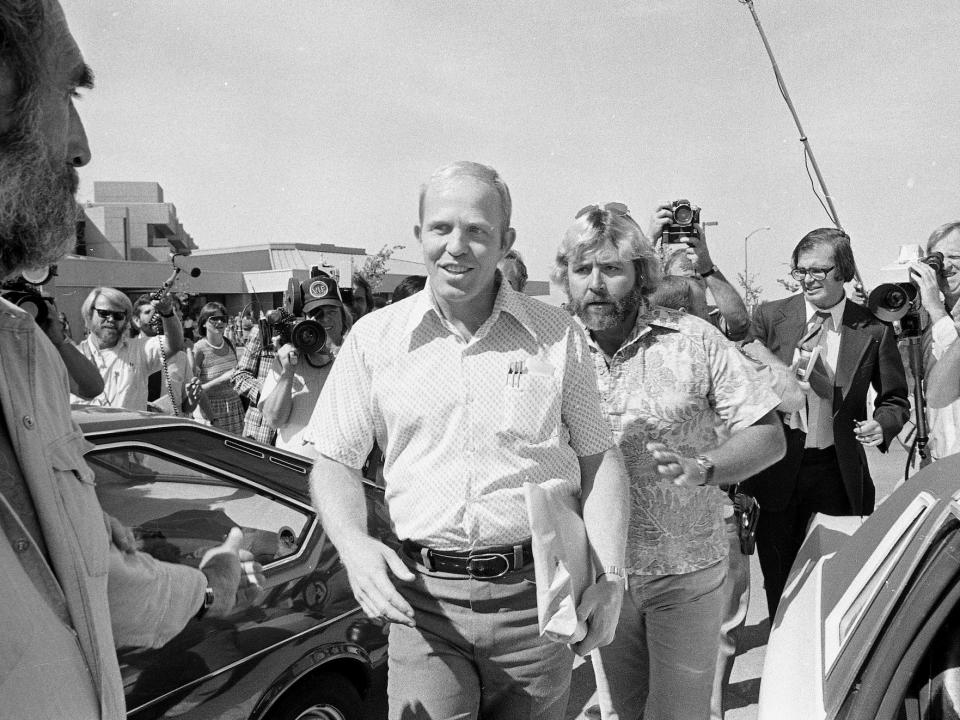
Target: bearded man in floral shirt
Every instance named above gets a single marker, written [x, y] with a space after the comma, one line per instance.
[689, 413]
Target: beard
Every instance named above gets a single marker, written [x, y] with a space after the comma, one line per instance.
[38, 212]
[608, 316]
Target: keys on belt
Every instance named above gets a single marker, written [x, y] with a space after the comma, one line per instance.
[479, 563]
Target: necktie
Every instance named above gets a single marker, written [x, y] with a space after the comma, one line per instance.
[820, 406]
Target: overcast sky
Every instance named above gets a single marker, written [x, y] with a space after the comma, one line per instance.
[315, 121]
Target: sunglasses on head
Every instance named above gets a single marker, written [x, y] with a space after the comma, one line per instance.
[615, 208]
[115, 315]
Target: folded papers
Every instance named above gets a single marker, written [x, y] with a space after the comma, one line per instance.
[561, 557]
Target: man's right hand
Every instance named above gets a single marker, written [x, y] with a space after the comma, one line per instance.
[661, 217]
[369, 563]
[233, 575]
[926, 280]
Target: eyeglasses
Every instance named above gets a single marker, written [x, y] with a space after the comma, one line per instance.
[615, 208]
[815, 273]
[217, 319]
[115, 315]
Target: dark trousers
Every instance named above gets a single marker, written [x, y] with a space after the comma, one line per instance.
[780, 533]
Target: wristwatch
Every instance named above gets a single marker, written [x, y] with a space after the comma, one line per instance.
[167, 315]
[208, 599]
[614, 570]
[706, 467]
[711, 271]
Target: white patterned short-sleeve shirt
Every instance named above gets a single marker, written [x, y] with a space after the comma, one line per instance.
[676, 380]
[460, 432]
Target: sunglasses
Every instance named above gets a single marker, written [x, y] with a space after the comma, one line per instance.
[115, 315]
[615, 208]
[217, 319]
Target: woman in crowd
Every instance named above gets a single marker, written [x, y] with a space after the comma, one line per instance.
[215, 359]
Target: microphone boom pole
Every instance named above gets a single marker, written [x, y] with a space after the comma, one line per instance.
[834, 217]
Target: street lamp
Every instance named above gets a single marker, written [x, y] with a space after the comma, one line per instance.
[746, 275]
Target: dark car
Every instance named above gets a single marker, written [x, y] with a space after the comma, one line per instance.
[869, 624]
[305, 649]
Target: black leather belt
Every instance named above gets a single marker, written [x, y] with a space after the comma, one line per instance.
[480, 563]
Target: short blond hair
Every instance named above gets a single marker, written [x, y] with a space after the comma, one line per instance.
[111, 294]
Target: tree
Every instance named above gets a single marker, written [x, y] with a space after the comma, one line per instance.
[790, 284]
[375, 266]
[751, 291]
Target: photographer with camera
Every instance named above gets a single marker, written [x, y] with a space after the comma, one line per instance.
[677, 234]
[939, 290]
[304, 360]
[125, 363]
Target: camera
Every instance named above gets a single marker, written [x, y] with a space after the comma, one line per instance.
[25, 293]
[305, 334]
[685, 219]
[899, 302]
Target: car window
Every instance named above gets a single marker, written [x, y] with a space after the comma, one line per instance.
[179, 511]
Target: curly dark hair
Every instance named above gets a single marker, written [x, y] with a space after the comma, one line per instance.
[22, 24]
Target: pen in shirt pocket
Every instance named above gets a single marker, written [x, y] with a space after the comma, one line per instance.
[515, 368]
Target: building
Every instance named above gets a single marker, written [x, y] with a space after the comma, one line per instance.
[130, 238]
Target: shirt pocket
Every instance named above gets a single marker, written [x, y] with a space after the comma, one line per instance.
[531, 408]
[76, 484]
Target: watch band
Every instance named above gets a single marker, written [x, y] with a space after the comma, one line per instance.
[706, 467]
[208, 599]
[711, 271]
[167, 315]
[613, 570]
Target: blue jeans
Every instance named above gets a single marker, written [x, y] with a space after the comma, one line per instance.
[661, 663]
[476, 651]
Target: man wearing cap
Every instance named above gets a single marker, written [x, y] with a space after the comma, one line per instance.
[291, 388]
[472, 390]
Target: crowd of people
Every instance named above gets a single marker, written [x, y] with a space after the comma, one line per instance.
[652, 396]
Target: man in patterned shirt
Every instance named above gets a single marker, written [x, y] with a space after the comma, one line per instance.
[471, 389]
[253, 367]
[689, 413]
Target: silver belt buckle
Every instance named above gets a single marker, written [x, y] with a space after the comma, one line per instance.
[475, 572]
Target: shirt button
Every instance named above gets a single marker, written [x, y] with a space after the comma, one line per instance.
[21, 545]
[28, 422]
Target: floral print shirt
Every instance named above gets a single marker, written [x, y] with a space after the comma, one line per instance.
[679, 381]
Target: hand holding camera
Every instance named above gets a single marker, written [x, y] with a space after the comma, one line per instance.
[288, 356]
[925, 275]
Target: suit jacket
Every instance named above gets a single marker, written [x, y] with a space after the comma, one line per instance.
[868, 356]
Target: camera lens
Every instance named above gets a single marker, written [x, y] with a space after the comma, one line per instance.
[683, 214]
[308, 336]
[895, 299]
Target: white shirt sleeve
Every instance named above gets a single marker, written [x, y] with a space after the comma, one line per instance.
[944, 333]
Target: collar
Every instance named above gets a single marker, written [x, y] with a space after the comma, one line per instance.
[508, 300]
[836, 312]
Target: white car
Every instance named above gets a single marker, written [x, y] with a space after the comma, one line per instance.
[869, 624]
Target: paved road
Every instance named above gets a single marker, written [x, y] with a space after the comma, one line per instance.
[743, 690]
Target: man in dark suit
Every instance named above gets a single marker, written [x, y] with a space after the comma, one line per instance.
[825, 468]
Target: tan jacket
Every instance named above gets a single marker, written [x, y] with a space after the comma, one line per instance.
[41, 674]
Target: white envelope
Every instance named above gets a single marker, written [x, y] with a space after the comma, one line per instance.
[561, 557]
